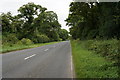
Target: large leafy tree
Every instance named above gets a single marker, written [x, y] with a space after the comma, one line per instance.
[28, 12]
[47, 23]
[109, 20]
[6, 22]
[38, 21]
[98, 20]
[63, 34]
[33, 22]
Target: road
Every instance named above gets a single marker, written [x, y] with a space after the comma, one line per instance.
[50, 61]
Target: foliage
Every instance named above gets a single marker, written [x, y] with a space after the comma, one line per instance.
[48, 24]
[54, 37]
[63, 34]
[98, 20]
[10, 38]
[110, 49]
[96, 24]
[42, 38]
[26, 41]
[107, 48]
[19, 46]
[6, 22]
[33, 23]
[88, 64]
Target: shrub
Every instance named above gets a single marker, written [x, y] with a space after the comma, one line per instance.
[19, 42]
[25, 41]
[88, 43]
[42, 38]
[107, 48]
[11, 39]
[110, 49]
[60, 39]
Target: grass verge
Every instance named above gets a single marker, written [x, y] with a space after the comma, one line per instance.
[89, 64]
[6, 48]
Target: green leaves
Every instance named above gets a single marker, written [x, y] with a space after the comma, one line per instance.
[33, 22]
[63, 34]
[100, 20]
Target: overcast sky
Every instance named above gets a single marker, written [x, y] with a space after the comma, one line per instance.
[61, 7]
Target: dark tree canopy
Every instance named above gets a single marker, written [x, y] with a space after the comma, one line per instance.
[100, 20]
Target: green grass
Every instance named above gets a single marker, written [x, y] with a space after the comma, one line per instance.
[7, 48]
[89, 64]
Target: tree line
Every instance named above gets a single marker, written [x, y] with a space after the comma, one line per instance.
[94, 20]
[97, 25]
[32, 22]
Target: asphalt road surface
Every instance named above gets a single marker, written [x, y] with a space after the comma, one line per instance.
[50, 61]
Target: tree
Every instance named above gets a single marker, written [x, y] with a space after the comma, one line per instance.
[28, 13]
[47, 23]
[100, 20]
[6, 22]
[33, 22]
[63, 34]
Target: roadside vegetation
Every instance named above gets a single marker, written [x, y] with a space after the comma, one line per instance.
[8, 48]
[95, 35]
[95, 59]
[32, 25]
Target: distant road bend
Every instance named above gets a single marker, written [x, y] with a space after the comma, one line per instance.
[50, 61]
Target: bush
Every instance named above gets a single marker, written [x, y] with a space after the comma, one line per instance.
[11, 39]
[41, 39]
[107, 48]
[19, 42]
[59, 39]
[25, 41]
[88, 43]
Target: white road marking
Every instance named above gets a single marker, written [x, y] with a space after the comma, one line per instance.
[29, 57]
[72, 68]
[46, 49]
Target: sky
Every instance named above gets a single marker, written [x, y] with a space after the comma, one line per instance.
[60, 7]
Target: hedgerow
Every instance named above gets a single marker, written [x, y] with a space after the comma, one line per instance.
[110, 49]
[107, 48]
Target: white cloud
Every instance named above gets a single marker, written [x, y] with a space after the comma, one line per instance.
[61, 7]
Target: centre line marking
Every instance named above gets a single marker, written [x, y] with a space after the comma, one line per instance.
[46, 49]
[29, 57]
